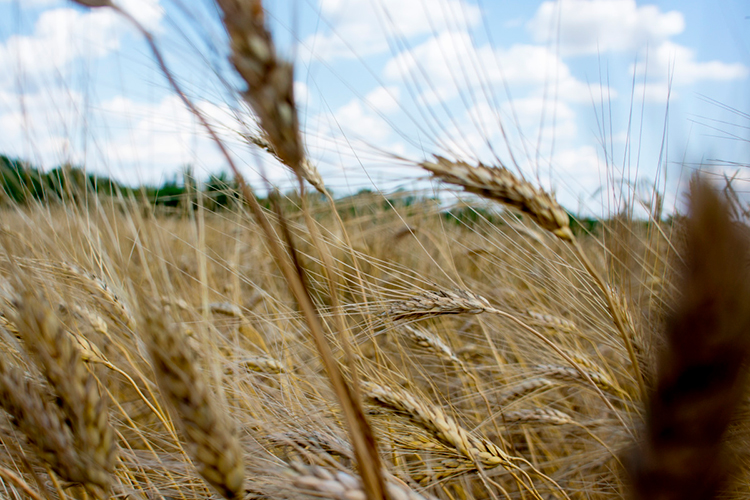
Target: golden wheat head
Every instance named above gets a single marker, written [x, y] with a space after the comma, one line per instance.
[77, 392]
[208, 429]
[500, 184]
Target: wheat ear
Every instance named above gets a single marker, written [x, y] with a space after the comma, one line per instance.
[209, 431]
[116, 309]
[76, 389]
[249, 25]
[446, 429]
[307, 170]
[570, 374]
[432, 342]
[538, 415]
[270, 83]
[226, 309]
[551, 321]
[702, 370]
[435, 420]
[500, 184]
[262, 364]
[523, 389]
[43, 425]
[437, 303]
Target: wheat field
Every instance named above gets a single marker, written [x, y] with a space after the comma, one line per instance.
[367, 347]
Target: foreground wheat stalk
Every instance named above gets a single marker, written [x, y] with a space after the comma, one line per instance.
[703, 367]
[270, 80]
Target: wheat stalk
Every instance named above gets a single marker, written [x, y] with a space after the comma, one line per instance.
[256, 61]
[10, 476]
[94, 3]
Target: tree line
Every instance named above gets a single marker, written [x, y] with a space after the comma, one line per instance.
[23, 183]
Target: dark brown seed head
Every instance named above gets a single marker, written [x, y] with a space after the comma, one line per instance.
[701, 371]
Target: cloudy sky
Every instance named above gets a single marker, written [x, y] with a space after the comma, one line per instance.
[587, 96]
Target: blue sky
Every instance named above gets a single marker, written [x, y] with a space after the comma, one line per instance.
[580, 94]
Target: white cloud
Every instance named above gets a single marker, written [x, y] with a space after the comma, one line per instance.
[352, 144]
[477, 135]
[363, 27]
[130, 140]
[301, 94]
[578, 173]
[59, 37]
[687, 70]
[598, 26]
[64, 35]
[151, 140]
[32, 4]
[358, 121]
[655, 92]
[530, 111]
[384, 99]
[147, 12]
[37, 126]
[582, 163]
[454, 64]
